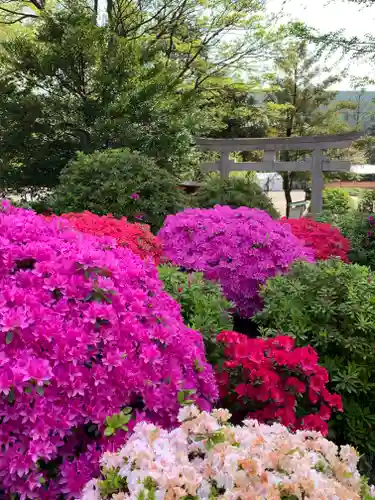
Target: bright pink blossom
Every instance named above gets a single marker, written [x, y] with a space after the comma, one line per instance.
[86, 330]
[240, 247]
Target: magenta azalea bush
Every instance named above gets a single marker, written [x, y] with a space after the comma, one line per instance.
[240, 247]
[86, 333]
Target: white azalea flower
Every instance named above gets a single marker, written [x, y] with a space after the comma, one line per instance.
[253, 461]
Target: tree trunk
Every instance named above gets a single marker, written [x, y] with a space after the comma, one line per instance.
[285, 155]
[39, 4]
[287, 187]
[110, 9]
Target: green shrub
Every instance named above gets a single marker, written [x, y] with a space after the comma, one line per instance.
[203, 306]
[331, 306]
[336, 201]
[342, 176]
[119, 182]
[358, 227]
[235, 192]
[39, 206]
[367, 200]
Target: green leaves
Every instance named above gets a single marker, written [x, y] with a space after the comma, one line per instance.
[117, 422]
[337, 201]
[215, 438]
[104, 182]
[329, 306]
[212, 439]
[100, 295]
[352, 379]
[183, 395]
[92, 271]
[39, 390]
[9, 337]
[112, 483]
[235, 192]
[11, 396]
[198, 367]
[203, 307]
[148, 93]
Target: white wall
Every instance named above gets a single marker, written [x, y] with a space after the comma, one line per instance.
[272, 180]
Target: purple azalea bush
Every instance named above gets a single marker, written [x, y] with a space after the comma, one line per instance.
[240, 247]
[86, 332]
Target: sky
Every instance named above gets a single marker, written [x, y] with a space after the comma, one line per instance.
[333, 15]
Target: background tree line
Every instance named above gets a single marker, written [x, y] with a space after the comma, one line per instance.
[157, 75]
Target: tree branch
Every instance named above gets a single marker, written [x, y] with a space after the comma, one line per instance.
[39, 4]
[14, 13]
[18, 20]
[19, 16]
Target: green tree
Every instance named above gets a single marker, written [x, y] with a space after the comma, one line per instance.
[300, 95]
[35, 146]
[81, 93]
[199, 35]
[339, 44]
[239, 112]
[146, 85]
[241, 115]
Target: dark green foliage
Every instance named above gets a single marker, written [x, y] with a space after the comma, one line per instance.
[203, 306]
[342, 176]
[242, 117]
[336, 201]
[104, 182]
[360, 231]
[236, 192]
[331, 306]
[77, 87]
[367, 201]
[358, 227]
[33, 148]
[151, 80]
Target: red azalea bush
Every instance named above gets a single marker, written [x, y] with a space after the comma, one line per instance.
[272, 380]
[86, 332]
[135, 236]
[326, 240]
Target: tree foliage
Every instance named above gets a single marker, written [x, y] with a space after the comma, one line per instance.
[150, 80]
[13, 11]
[203, 306]
[235, 192]
[303, 102]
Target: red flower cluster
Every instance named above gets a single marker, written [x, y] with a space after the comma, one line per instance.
[273, 381]
[325, 240]
[137, 237]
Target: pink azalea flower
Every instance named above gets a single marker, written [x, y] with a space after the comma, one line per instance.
[79, 341]
[38, 370]
[241, 248]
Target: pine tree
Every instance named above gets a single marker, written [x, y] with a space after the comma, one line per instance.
[300, 95]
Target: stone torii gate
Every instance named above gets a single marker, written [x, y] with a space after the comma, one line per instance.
[317, 163]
